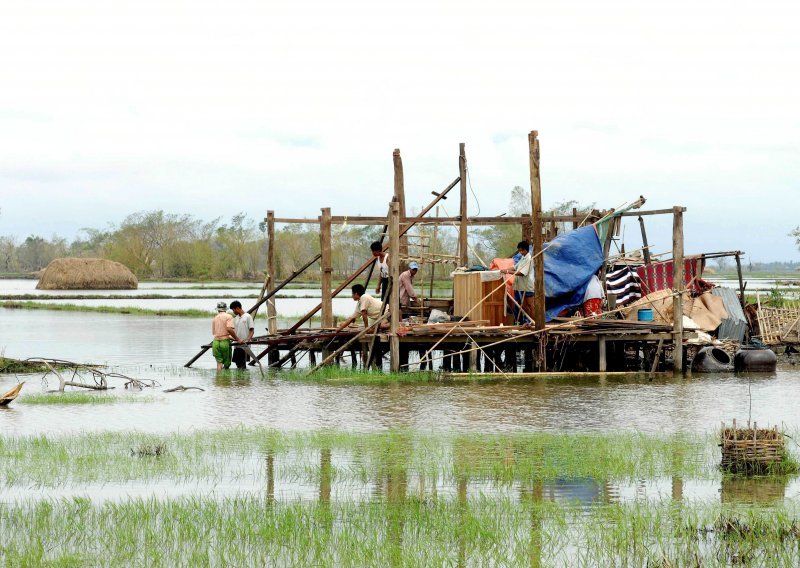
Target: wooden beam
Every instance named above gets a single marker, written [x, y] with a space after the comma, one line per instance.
[394, 305]
[400, 197]
[471, 221]
[272, 323]
[463, 252]
[536, 217]
[678, 286]
[327, 269]
[527, 227]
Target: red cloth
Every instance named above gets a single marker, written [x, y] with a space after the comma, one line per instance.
[592, 308]
[658, 275]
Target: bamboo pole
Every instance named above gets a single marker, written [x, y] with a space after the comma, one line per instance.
[272, 322]
[433, 253]
[325, 248]
[645, 246]
[536, 217]
[678, 286]
[394, 302]
[368, 361]
[463, 253]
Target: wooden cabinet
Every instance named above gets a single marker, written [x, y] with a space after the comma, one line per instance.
[469, 290]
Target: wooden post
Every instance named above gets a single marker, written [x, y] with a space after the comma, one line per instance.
[678, 286]
[536, 216]
[394, 305]
[272, 323]
[473, 358]
[601, 352]
[400, 197]
[527, 229]
[741, 280]
[325, 248]
[463, 256]
[646, 248]
[575, 218]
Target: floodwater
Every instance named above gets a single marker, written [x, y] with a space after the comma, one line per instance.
[157, 348]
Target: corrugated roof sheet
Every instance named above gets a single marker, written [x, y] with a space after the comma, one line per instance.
[735, 325]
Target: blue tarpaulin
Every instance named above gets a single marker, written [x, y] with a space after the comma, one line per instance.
[570, 260]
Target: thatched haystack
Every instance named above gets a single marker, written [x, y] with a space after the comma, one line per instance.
[87, 274]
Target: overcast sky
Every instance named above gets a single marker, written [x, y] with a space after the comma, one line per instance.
[212, 108]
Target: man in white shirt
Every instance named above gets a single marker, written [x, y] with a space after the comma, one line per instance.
[244, 326]
[524, 278]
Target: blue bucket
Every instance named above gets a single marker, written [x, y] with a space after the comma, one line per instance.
[645, 314]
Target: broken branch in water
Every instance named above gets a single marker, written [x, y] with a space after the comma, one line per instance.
[88, 376]
[181, 388]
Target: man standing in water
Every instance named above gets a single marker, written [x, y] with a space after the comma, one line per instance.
[244, 327]
[223, 329]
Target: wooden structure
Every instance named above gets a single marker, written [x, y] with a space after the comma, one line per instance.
[462, 345]
[779, 325]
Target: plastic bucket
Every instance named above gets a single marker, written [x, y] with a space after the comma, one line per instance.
[645, 314]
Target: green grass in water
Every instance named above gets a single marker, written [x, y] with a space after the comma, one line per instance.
[79, 398]
[105, 309]
[251, 530]
[237, 453]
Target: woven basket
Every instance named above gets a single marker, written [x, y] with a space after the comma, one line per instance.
[751, 450]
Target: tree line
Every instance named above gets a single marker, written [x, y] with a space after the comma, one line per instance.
[162, 245]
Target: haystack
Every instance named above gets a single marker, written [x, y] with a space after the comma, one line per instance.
[87, 274]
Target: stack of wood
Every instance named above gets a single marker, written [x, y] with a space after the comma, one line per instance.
[610, 326]
[751, 450]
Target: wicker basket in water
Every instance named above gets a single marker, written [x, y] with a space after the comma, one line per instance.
[751, 450]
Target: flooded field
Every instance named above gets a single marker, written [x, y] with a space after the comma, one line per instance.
[546, 472]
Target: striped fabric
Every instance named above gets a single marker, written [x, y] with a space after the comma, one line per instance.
[623, 282]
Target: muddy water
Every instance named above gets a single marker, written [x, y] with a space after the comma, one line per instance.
[149, 347]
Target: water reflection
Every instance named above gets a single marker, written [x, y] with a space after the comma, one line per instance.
[763, 490]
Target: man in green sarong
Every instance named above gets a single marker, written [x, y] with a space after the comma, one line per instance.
[223, 329]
